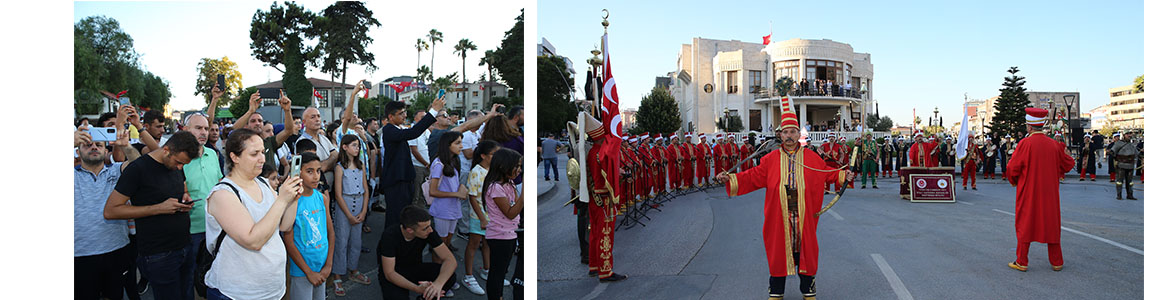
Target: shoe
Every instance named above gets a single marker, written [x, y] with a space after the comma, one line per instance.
[362, 279]
[1082, 179]
[472, 285]
[592, 273]
[460, 234]
[974, 188]
[1058, 268]
[614, 278]
[584, 260]
[964, 188]
[450, 293]
[546, 179]
[863, 187]
[1094, 179]
[1131, 198]
[1018, 267]
[507, 283]
[1118, 197]
[143, 287]
[455, 286]
[875, 187]
[558, 179]
[483, 274]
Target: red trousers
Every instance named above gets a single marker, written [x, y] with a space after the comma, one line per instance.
[969, 171]
[601, 219]
[1055, 257]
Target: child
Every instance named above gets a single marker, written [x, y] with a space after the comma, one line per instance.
[479, 220]
[445, 187]
[350, 180]
[269, 172]
[310, 243]
[503, 208]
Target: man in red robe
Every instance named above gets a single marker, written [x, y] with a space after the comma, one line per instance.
[1035, 170]
[604, 188]
[702, 168]
[688, 162]
[794, 197]
[659, 165]
[674, 157]
[628, 167]
[745, 150]
[834, 156]
[732, 151]
[719, 155]
[922, 152]
[971, 162]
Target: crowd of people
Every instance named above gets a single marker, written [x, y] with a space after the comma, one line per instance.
[824, 87]
[255, 210]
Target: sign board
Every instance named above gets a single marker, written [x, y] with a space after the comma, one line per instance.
[932, 188]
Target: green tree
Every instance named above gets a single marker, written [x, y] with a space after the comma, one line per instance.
[209, 69]
[277, 40]
[509, 56]
[420, 45]
[1009, 117]
[552, 91]
[156, 91]
[371, 108]
[104, 60]
[239, 104]
[424, 74]
[885, 124]
[461, 49]
[784, 85]
[435, 37]
[658, 113]
[1139, 84]
[344, 27]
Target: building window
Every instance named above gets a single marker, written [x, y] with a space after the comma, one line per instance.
[475, 93]
[732, 82]
[754, 120]
[755, 79]
[338, 97]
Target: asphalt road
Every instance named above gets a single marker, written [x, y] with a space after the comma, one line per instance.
[873, 244]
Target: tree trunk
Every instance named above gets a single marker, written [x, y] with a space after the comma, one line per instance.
[465, 84]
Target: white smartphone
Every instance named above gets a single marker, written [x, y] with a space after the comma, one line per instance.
[103, 134]
[295, 166]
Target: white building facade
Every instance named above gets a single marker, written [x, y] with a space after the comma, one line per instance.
[720, 77]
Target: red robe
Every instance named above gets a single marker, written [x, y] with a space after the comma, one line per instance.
[720, 158]
[772, 174]
[732, 155]
[647, 170]
[924, 148]
[702, 153]
[745, 150]
[631, 168]
[1035, 170]
[688, 165]
[659, 169]
[834, 154]
[673, 163]
[604, 167]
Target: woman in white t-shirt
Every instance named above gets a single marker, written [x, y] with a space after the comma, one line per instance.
[251, 261]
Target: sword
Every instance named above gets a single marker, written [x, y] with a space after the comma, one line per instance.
[766, 147]
[852, 162]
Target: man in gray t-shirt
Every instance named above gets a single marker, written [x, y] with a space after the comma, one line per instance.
[1126, 153]
[548, 152]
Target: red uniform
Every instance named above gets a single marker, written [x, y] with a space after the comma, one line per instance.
[834, 158]
[746, 150]
[688, 165]
[673, 158]
[647, 170]
[1035, 170]
[659, 169]
[776, 171]
[630, 168]
[920, 154]
[604, 167]
[733, 155]
[974, 157]
[702, 154]
[721, 158]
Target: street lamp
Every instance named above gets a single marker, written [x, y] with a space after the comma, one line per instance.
[1068, 112]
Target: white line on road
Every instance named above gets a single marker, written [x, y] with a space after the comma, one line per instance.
[597, 290]
[1107, 241]
[964, 202]
[836, 216]
[895, 282]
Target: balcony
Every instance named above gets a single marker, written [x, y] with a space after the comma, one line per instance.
[838, 92]
[815, 137]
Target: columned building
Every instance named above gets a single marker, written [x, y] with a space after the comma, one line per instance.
[716, 78]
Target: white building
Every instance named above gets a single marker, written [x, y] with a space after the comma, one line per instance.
[545, 48]
[717, 77]
[1127, 108]
[478, 94]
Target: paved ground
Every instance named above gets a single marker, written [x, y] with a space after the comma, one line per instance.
[874, 245]
[368, 265]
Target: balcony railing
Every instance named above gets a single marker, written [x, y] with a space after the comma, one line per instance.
[815, 137]
[854, 93]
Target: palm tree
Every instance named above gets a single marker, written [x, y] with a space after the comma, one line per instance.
[420, 45]
[461, 49]
[489, 59]
[424, 72]
[435, 36]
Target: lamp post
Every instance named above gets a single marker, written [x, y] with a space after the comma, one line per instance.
[1068, 112]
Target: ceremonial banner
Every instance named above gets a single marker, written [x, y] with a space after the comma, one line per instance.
[932, 188]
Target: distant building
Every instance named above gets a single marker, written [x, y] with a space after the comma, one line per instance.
[662, 82]
[335, 93]
[1099, 117]
[629, 118]
[545, 48]
[1127, 108]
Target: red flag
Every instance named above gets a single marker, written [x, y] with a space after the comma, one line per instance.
[767, 39]
[610, 114]
[317, 94]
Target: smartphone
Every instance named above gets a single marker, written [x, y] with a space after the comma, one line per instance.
[269, 93]
[441, 93]
[124, 101]
[188, 202]
[221, 81]
[367, 85]
[103, 134]
[295, 166]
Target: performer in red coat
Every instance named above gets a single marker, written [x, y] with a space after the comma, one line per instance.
[921, 152]
[971, 162]
[746, 150]
[659, 165]
[674, 159]
[1035, 169]
[794, 177]
[688, 162]
[719, 154]
[834, 156]
[604, 188]
[702, 168]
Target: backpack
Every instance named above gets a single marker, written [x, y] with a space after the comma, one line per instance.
[203, 267]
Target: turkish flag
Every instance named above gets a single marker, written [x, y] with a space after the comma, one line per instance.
[317, 94]
[610, 114]
[767, 39]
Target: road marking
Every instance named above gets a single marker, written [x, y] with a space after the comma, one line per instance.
[836, 216]
[597, 290]
[1107, 241]
[965, 202]
[895, 282]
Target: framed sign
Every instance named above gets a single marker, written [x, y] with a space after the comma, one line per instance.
[932, 188]
[708, 88]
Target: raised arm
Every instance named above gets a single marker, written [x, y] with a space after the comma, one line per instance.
[235, 220]
[474, 124]
[253, 104]
[393, 134]
[286, 106]
[347, 114]
[216, 93]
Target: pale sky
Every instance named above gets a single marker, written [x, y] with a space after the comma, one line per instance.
[173, 36]
[925, 53]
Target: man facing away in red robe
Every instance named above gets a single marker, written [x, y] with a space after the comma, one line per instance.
[745, 150]
[794, 196]
[702, 168]
[1035, 170]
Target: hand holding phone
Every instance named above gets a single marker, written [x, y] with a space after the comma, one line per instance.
[221, 82]
[295, 166]
[103, 134]
[123, 101]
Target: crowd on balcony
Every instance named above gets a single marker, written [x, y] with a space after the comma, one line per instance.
[821, 87]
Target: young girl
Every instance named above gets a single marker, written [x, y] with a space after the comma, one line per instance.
[350, 177]
[503, 208]
[445, 187]
[309, 244]
[478, 219]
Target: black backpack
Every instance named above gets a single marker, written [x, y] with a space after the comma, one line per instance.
[203, 267]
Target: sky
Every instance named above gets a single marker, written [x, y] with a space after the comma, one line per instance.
[173, 36]
[925, 53]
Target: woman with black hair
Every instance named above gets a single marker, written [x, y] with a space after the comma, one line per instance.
[444, 186]
[504, 207]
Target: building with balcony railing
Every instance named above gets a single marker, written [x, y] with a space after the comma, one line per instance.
[715, 78]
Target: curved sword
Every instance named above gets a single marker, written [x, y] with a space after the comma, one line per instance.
[852, 163]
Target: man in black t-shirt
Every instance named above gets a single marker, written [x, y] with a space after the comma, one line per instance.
[151, 191]
[400, 266]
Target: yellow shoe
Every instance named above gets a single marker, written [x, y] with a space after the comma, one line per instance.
[781, 297]
[1058, 268]
[810, 298]
[1018, 267]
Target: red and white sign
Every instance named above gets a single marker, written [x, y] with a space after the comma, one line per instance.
[932, 188]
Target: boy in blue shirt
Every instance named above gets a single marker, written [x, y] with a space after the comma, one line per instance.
[310, 243]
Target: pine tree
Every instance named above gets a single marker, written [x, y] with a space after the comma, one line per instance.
[1009, 116]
